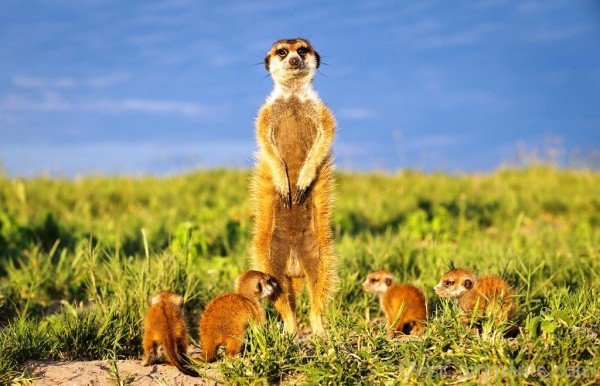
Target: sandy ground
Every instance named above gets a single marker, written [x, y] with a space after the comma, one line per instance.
[103, 372]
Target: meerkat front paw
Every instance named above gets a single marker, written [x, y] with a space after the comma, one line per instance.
[303, 185]
[283, 189]
[301, 195]
[286, 198]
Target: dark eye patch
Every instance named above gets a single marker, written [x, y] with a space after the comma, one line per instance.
[373, 280]
[259, 286]
[448, 283]
[281, 52]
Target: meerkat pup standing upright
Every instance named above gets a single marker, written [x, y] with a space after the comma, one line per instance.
[226, 317]
[292, 184]
[164, 326]
[477, 297]
[403, 304]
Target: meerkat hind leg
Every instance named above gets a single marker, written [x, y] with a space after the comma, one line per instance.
[318, 292]
[233, 347]
[150, 352]
[285, 304]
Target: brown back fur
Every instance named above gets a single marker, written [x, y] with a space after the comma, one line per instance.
[226, 317]
[164, 326]
[492, 295]
[405, 309]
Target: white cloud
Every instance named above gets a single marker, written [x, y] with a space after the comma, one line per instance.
[354, 113]
[115, 106]
[486, 4]
[550, 34]
[469, 98]
[48, 102]
[52, 102]
[536, 7]
[461, 38]
[431, 34]
[66, 82]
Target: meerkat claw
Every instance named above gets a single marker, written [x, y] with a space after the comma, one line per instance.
[287, 201]
[299, 196]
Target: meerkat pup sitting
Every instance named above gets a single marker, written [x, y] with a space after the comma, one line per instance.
[164, 326]
[403, 304]
[226, 317]
[477, 297]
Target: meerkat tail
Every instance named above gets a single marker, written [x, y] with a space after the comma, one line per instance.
[174, 356]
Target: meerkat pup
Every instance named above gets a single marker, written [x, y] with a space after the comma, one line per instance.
[164, 326]
[226, 317]
[292, 185]
[403, 304]
[486, 295]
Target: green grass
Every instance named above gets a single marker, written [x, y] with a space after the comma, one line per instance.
[80, 258]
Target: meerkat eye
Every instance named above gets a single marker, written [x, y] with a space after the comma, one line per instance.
[373, 280]
[281, 52]
[447, 283]
[259, 287]
[302, 51]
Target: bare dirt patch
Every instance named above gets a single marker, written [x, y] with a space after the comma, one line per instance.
[104, 372]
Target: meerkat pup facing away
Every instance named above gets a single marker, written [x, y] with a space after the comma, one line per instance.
[477, 297]
[403, 304]
[164, 326]
[292, 184]
[226, 317]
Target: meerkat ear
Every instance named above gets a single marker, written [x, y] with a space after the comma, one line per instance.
[268, 62]
[388, 281]
[318, 58]
[468, 284]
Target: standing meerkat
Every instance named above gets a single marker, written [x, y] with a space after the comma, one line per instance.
[403, 304]
[164, 326]
[226, 317]
[486, 295]
[292, 185]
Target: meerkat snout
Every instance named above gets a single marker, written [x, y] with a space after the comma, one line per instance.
[296, 62]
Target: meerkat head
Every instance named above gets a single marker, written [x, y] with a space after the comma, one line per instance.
[292, 61]
[455, 283]
[378, 282]
[166, 296]
[256, 284]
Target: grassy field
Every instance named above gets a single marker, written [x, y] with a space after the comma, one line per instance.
[80, 258]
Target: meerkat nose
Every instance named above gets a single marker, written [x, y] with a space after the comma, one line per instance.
[294, 60]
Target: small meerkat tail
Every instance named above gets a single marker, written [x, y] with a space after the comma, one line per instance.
[175, 358]
[415, 327]
[209, 351]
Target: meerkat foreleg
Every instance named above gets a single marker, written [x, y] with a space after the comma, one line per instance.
[273, 159]
[315, 157]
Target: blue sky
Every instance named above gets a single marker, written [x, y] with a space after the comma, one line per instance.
[164, 86]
